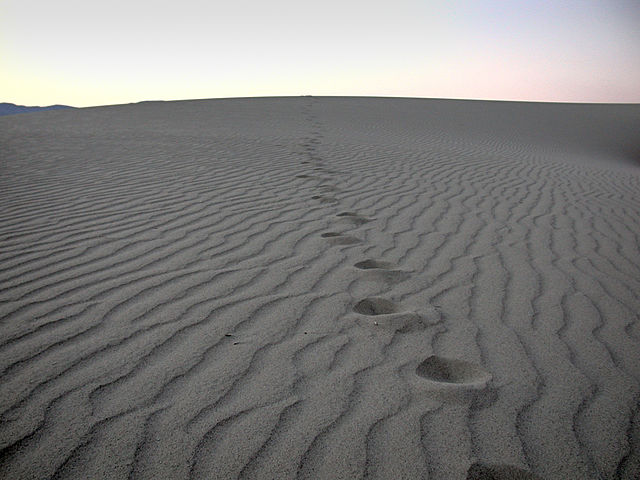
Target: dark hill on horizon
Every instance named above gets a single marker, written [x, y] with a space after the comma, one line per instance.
[12, 108]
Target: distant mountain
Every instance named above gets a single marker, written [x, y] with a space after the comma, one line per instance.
[11, 108]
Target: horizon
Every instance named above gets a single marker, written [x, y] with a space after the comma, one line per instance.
[535, 51]
[328, 96]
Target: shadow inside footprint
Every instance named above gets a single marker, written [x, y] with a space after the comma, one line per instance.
[386, 315]
[340, 239]
[485, 471]
[370, 264]
[375, 306]
[453, 371]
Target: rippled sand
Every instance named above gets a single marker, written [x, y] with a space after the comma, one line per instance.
[321, 288]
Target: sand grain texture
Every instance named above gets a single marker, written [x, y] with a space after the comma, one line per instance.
[319, 288]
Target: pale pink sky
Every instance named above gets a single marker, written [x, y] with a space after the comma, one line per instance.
[93, 53]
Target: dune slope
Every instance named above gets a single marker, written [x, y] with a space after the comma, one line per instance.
[320, 288]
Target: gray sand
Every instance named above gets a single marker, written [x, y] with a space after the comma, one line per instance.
[321, 288]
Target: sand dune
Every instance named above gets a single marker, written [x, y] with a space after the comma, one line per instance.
[321, 288]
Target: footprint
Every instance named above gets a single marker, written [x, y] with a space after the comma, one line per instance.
[340, 239]
[453, 371]
[382, 269]
[388, 316]
[354, 217]
[324, 199]
[329, 188]
[370, 264]
[375, 306]
[485, 471]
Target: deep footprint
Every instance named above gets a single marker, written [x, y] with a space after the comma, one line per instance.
[386, 315]
[485, 471]
[453, 371]
[375, 306]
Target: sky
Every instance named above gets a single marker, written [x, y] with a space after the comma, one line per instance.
[86, 52]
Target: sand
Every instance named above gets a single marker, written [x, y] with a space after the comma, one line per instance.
[321, 288]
